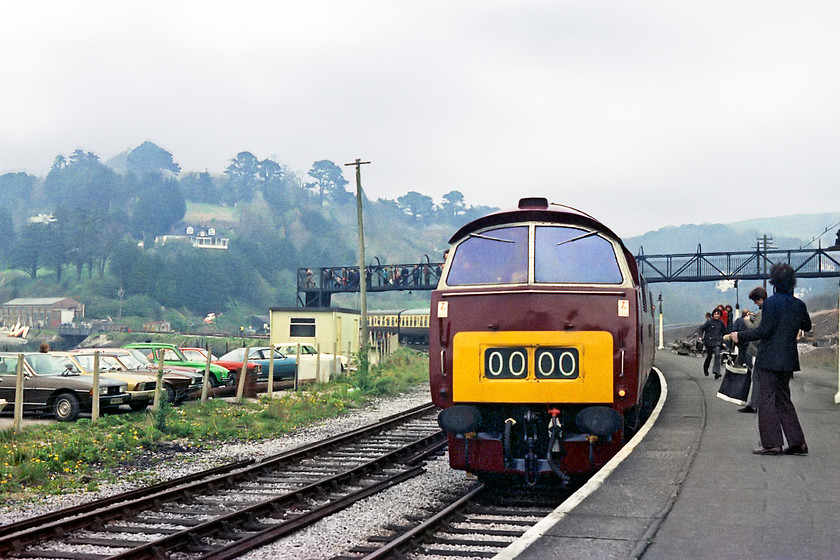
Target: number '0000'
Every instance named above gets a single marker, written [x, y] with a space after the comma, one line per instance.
[517, 363]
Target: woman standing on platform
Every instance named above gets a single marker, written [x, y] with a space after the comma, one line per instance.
[783, 316]
[712, 333]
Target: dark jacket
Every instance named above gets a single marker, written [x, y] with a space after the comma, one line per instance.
[712, 332]
[782, 317]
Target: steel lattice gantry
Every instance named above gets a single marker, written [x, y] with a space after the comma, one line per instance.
[737, 265]
[316, 286]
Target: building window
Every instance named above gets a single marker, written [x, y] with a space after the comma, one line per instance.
[302, 327]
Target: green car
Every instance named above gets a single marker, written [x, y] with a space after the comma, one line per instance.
[172, 355]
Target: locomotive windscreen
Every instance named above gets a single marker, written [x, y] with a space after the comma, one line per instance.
[498, 256]
[574, 256]
[562, 255]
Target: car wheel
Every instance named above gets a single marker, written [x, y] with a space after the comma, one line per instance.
[213, 381]
[135, 406]
[66, 407]
[171, 394]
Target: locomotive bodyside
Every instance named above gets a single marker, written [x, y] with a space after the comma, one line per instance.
[540, 343]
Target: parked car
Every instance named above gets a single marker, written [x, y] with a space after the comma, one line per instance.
[141, 386]
[260, 356]
[180, 382]
[196, 354]
[172, 355]
[309, 351]
[48, 386]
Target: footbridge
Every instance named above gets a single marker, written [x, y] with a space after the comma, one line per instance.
[315, 286]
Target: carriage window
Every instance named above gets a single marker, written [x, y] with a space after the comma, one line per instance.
[575, 256]
[498, 256]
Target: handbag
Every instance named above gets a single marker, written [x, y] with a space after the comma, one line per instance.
[735, 385]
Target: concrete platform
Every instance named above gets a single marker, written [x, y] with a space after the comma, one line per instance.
[693, 489]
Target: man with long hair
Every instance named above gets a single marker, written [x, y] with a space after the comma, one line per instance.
[783, 316]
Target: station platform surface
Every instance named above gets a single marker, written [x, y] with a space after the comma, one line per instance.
[692, 488]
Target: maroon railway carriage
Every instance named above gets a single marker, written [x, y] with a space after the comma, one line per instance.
[541, 342]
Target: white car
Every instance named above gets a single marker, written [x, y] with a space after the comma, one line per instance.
[308, 351]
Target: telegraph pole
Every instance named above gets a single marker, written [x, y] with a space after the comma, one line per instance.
[362, 269]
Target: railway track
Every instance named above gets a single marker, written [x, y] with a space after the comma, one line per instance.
[477, 524]
[232, 509]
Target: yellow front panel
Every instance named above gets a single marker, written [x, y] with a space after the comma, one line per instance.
[594, 383]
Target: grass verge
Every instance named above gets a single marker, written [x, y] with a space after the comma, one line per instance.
[59, 457]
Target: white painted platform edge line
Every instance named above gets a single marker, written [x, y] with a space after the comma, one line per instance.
[530, 536]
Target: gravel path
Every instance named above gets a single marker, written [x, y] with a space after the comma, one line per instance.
[326, 539]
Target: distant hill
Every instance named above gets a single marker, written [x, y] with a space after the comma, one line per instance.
[688, 302]
[788, 232]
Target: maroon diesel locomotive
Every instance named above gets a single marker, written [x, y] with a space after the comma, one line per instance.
[541, 341]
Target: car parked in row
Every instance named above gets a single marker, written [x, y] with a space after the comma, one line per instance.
[195, 354]
[260, 357]
[140, 386]
[48, 386]
[309, 352]
[180, 383]
[172, 355]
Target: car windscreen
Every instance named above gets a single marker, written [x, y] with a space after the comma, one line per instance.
[130, 361]
[495, 256]
[44, 364]
[140, 356]
[574, 256]
[106, 363]
[194, 355]
[234, 355]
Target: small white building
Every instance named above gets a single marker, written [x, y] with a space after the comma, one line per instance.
[334, 330]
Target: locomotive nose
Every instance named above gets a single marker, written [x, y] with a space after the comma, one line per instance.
[459, 419]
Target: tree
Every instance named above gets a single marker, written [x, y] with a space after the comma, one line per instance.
[416, 204]
[29, 254]
[15, 188]
[82, 182]
[243, 177]
[453, 204]
[125, 258]
[150, 158]
[7, 232]
[55, 247]
[158, 207]
[200, 187]
[329, 180]
[279, 183]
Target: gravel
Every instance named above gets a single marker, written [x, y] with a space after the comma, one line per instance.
[327, 538]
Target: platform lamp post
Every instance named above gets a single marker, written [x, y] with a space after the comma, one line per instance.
[836, 247]
[837, 395]
[363, 357]
[661, 334]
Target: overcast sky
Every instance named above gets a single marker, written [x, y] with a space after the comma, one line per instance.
[643, 114]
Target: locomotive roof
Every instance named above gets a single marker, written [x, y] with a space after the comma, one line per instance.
[537, 210]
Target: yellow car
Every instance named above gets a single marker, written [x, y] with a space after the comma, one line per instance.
[140, 387]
